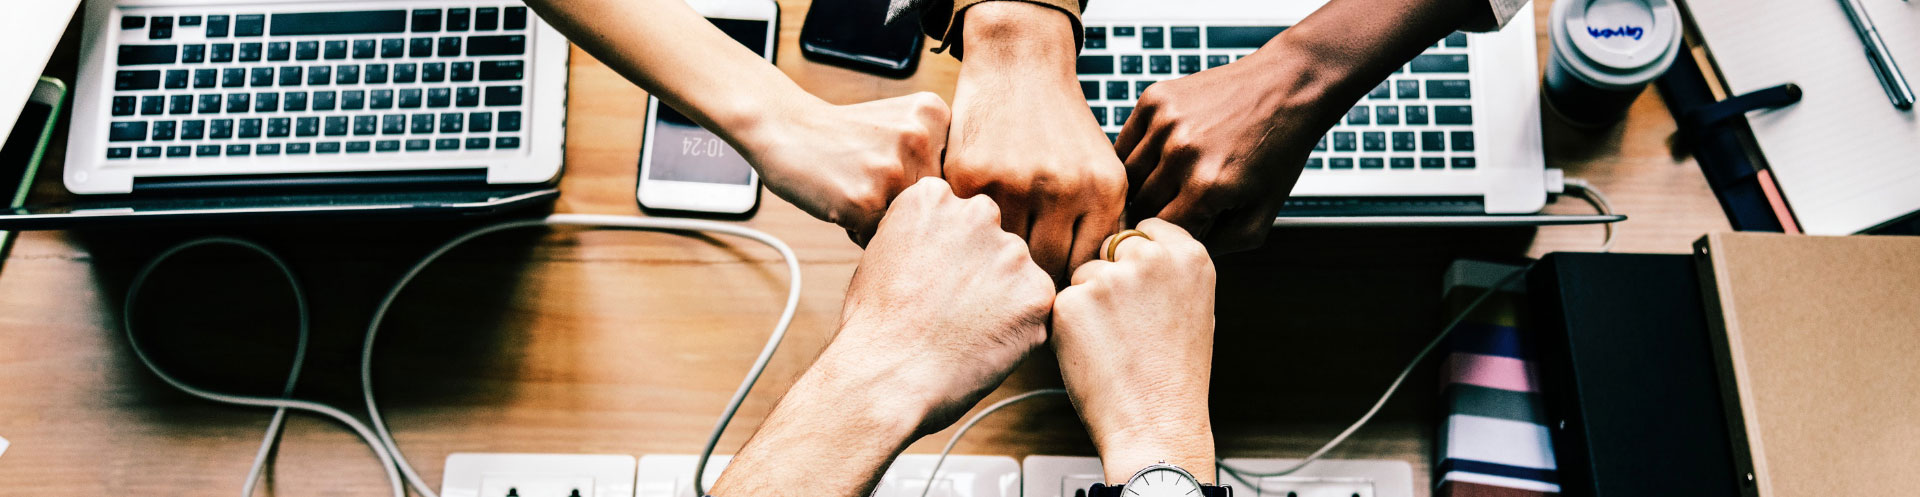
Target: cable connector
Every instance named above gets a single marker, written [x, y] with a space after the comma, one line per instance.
[1556, 181]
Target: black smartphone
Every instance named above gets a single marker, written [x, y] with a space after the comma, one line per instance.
[855, 34]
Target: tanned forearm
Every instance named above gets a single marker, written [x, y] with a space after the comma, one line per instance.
[1347, 47]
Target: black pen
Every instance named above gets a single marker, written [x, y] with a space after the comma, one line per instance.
[1877, 54]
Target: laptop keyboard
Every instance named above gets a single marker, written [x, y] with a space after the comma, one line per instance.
[1419, 119]
[237, 84]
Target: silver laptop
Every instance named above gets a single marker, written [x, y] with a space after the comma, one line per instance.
[1455, 132]
[202, 95]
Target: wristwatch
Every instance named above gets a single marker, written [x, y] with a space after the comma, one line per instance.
[1160, 480]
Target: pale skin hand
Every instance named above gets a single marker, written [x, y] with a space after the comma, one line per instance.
[839, 163]
[905, 363]
[1022, 134]
[1135, 343]
[1219, 151]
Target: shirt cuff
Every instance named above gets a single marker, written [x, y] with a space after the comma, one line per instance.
[1503, 11]
[948, 29]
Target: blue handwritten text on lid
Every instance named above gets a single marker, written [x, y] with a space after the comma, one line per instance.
[1624, 31]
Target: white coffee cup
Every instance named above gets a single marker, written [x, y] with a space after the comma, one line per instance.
[1604, 52]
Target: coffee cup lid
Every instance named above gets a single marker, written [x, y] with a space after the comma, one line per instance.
[1619, 37]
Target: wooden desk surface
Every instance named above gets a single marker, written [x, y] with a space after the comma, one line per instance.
[630, 343]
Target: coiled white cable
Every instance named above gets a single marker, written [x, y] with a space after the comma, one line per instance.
[379, 438]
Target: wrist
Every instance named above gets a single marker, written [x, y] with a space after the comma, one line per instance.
[1180, 439]
[756, 125]
[1308, 79]
[1018, 39]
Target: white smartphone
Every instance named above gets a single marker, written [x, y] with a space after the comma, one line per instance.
[686, 168]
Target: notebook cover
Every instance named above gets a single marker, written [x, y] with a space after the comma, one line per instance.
[1491, 434]
[1628, 377]
[1818, 341]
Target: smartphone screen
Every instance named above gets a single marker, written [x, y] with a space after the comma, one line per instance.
[683, 151]
[857, 32]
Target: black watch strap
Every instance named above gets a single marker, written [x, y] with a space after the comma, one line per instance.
[1104, 490]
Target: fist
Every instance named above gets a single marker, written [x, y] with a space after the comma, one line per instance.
[844, 163]
[946, 298]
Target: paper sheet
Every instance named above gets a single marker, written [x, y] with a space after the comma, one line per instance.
[1845, 159]
[29, 36]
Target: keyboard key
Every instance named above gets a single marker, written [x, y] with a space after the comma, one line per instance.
[136, 80]
[1090, 90]
[365, 125]
[1406, 88]
[506, 142]
[340, 23]
[387, 145]
[419, 144]
[1403, 141]
[449, 46]
[279, 127]
[1380, 91]
[1400, 163]
[1218, 60]
[353, 100]
[1358, 115]
[220, 129]
[503, 95]
[1153, 37]
[153, 105]
[1340, 163]
[502, 70]
[261, 76]
[1131, 64]
[480, 122]
[233, 77]
[249, 128]
[189, 21]
[206, 151]
[509, 121]
[486, 19]
[148, 152]
[1189, 64]
[221, 53]
[326, 148]
[459, 19]
[346, 75]
[133, 22]
[1322, 145]
[1462, 141]
[1427, 63]
[376, 74]
[516, 18]
[1416, 114]
[1094, 64]
[267, 149]
[1241, 36]
[206, 78]
[381, 99]
[426, 20]
[294, 101]
[1386, 115]
[249, 25]
[1452, 114]
[452, 122]
[421, 124]
[119, 153]
[462, 71]
[323, 100]
[405, 73]
[1140, 88]
[446, 144]
[1116, 90]
[1463, 163]
[393, 124]
[439, 97]
[410, 98]
[1186, 37]
[250, 52]
[1160, 64]
[335, 49]
[1372, 163]
[239, 149]
[239, 102]
[193, 130]
[216, 26]
[363, 49]
[478, 143]
[210, 103]
[466, 97]
[1456, 40]
[193, 54]
[1100, 115]
[123, 106]
[393, 48]
[279, 51]
[307, 50]
[433, 72]
[266, 102]
[420, 47]
[1433, 163]
[319, 75]
[306, 126]
[336, 126]
[1315, 163]
[177, 151]
[142, 55]
[1448, 88]
[290, 76]
[1433, 141]
[1373, 141]
[164, 130]
[299, 148]
[1343, 141]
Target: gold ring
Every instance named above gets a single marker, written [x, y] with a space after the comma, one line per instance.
[1112, 245]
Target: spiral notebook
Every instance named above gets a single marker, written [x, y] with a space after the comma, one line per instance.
[1843, 157]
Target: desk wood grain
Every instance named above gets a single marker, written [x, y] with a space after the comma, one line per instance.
[629, 343]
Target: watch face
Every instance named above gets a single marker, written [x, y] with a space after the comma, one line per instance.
[1162, 482]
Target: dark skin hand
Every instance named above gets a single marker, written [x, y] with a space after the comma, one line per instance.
[1217, 152]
